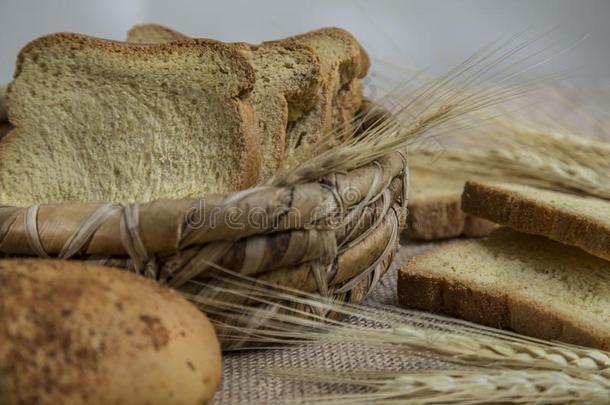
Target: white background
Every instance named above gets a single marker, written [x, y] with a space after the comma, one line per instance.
[432, 34]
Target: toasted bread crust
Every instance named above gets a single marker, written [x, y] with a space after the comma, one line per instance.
[143, 33]
[339, 95]
[135, 50]
[357, 65]
[2, 103]
[508, 208]
[488, 306]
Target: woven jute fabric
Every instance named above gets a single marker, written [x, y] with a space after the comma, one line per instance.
[245, 380]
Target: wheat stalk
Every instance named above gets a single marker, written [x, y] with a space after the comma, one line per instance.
[292, 316]
[249, 312]
[509, 368]
[458, 387]
[512, 153]
[438, 106]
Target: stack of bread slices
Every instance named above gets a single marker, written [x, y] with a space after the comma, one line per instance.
[163, 115]
[545, 274]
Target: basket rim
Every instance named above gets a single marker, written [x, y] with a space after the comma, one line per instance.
[66, 229]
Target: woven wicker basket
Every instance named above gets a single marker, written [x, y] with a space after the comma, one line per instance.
[336, 236]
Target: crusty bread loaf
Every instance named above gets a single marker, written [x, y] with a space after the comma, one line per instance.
[570, 219]
[73, 333]
[99, 120]
[343, 62]
[435, 211]
[511, 280]
[287, 84]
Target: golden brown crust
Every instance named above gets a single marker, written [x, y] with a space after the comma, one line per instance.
[442, 217]
[72, 332]
[342, 61]
[135, 50]
[2, 103]
[250, 150]
[499, 309]
[357, 65]
[507, 208]
[142, 33]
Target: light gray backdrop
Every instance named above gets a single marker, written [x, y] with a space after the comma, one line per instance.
[433, 34]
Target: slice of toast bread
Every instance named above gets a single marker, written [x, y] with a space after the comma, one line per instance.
[527, 283]
[566, 218]
[99, 120]
[435, 211]
[343, 62]
[287, 82]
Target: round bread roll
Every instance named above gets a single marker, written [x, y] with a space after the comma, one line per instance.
[72, 333]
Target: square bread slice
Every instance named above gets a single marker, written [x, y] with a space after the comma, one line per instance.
[343, 63]
[99, 120]
[435, 207]
[570, 219]
[527, 283]
[287, 82]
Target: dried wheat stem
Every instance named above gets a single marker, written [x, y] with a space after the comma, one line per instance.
[456, 341]
[511, 153]
[438, 106]
[488, 350]
[458, 387]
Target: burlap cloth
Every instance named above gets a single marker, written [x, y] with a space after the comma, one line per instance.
[245, 381]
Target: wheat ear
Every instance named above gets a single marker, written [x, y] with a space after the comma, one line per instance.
[456, 387]
[511, 153]
[438, 106]
[288, 316]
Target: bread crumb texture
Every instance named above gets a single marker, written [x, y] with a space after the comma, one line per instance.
[98, 120]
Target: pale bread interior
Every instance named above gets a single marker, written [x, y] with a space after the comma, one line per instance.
[99, 120]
